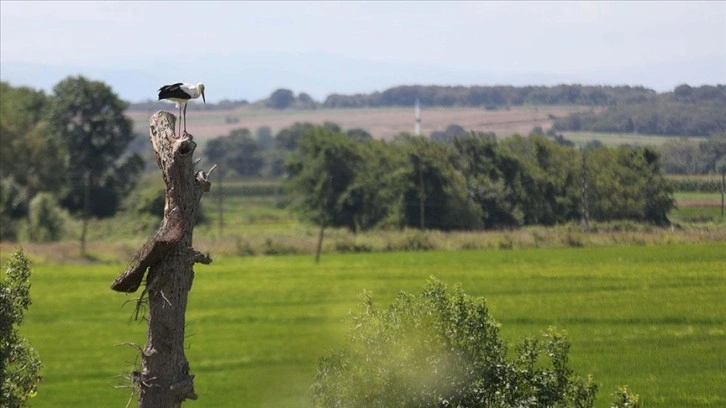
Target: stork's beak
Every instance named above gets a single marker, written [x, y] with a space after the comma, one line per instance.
[205, 101]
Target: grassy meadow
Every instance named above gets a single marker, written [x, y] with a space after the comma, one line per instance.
[643, 306]
[651, 317]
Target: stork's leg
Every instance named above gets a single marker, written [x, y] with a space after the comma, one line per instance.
[179, 118]
[185, 118]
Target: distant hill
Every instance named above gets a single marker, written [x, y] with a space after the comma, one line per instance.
[253, 76]
[686, 111]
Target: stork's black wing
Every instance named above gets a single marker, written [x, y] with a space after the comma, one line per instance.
[173, 91]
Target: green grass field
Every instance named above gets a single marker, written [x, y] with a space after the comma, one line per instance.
[651, 317]
[697, 207]
[617, 139]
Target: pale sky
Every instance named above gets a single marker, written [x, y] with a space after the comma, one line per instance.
[504, 37]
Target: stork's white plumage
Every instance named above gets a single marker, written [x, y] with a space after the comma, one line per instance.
[180, 93]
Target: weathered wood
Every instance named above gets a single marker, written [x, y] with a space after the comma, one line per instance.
[165, 381]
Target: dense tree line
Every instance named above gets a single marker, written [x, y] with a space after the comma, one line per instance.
[686, 111]
[683, 156]
[76, 143]
[473, 182]
[493, 96]
[444, 96]
[458, 180]
[68, 149]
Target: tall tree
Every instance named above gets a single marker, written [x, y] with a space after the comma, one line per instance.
[89, 118]
[238, 152]
[281, 99]
[550, 177]
[493, 180]
[322, 171]
[376, 196]
[627, 183]
[435, 195]
[30, 154]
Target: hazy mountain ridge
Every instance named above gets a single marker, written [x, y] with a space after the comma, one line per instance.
[254, 76]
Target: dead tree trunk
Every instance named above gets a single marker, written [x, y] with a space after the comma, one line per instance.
[164, 380]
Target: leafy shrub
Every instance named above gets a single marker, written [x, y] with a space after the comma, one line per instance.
[624, 398]
[244, 247]
[351, 246]
[19, 362]
[419, 241]
[443, 349]
[46, 218]
[506, 243]
[279, 247]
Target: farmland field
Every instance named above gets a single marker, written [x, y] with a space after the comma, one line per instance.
[697, 207]
[651, 317]
[382, 123]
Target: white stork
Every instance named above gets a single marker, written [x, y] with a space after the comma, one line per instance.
[180, 93]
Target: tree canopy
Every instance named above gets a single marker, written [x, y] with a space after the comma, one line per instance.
[472, 182]
[72, 142]
[89, 117]
[238, 152]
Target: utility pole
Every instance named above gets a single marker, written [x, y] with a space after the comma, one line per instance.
[86, 210]
[584, 210]
[417, 129]
[723, 187]
[220, 203]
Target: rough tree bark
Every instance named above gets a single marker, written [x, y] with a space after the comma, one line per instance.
[164, 380]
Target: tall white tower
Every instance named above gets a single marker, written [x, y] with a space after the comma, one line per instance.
[418, 118]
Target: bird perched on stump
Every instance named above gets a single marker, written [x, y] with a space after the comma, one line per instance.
[180, 93]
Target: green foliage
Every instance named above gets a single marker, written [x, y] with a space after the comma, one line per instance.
[336, 181]
[447, 136]
[627, 183]
[444, 349]
[704, 184]
[688, 157]
[435, 194]
[30, 153]
[625, 398]
[46, 218]
[89, 117]
[281, 99]
[696, 112]
[550, 179]
[473, 182]
[492, 97]
[12, 206]
[238, 152]
[493, 180]
[19, 362]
